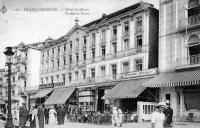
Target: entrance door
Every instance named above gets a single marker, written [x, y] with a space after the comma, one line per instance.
[100, 106]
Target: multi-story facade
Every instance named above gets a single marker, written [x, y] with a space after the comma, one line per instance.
[94, 57]
[179, 57]
[24, 73]
[2, 81]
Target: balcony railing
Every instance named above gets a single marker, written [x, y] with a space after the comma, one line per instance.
[114, 37]
[194, 20]
[195, 59]
[126, 34]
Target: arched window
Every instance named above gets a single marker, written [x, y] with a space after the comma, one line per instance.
[192, 3]
[194, 39]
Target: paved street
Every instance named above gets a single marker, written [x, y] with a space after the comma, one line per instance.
[128, 125]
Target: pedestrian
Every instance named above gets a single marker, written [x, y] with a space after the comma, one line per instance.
[40, 116]
[63, 114]
[114, 116]
[16, 119]
[23, 116]
[34, 122]
[158, 116]
[168, 116]
[59, 115]
[52, 116]
[46, 114]
[119, 120]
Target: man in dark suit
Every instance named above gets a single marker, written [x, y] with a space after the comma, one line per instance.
[168, 115]
[46, 114]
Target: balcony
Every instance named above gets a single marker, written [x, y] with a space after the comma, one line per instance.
[102, 41]
[114, 38]
[193, 22]
[125, 34]
[93, 44]
[195, 59]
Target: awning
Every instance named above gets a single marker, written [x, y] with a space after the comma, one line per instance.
[175, 79]
[126, 89]
[59, 96]
[41, 93]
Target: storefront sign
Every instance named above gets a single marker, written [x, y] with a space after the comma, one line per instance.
[46, 86]
[140, 73]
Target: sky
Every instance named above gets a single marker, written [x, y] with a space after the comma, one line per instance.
[53, 18]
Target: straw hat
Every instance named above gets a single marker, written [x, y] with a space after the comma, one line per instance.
[161, 104]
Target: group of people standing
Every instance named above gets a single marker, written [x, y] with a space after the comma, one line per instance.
[162, 117]
[54, 115]
[116, 117]
[37, 116]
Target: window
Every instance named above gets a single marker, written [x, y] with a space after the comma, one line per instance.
[52, 51]
[42, 57]
[138, 64]
[58, 49]
[103, 35]
[64, 47]
[194, 52]
[70, 77]
[114, 32]
[93, 39]
[93, 53]
[84, 55]
[77, 57]
[92, 72]
[25, 84]
[76, 75]
[103, 71]
[58, 62]
[64, 61]
[63, 78]
[84, 74]
[126, 44]
[51, 79]
[47, 53]
[57, 77]
[126, 28]
[84, 41]
[114, 45]
[125, 67]
[139, 24]
[103, 50]
[70, 45]
[47, 80]
[114, 71]
[70, 59]
[52, 63]
[13, 79]
[41, 80]
[77, 43]
[139, 41]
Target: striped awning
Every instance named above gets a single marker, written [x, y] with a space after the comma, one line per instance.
[60, 95]
[41, 93]
[126, 89]
[175, 79]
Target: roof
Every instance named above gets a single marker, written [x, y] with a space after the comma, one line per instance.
[136, 6]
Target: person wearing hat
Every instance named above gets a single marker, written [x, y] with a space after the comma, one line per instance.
[168, 115]
[158, 117]
[52, 116]
[114, 116]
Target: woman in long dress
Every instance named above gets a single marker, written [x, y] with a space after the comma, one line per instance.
[158, 116]
[52, 116]
[34, 122]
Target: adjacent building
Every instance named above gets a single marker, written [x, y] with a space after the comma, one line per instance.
[93, 58]
[179, 45]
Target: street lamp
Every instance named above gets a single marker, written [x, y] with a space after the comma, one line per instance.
[9, 53]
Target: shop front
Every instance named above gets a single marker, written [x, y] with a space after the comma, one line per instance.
[129, 94]
[182, 90]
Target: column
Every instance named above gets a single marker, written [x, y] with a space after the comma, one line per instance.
[181, 102]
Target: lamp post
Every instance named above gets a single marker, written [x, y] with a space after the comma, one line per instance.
[9, 53]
